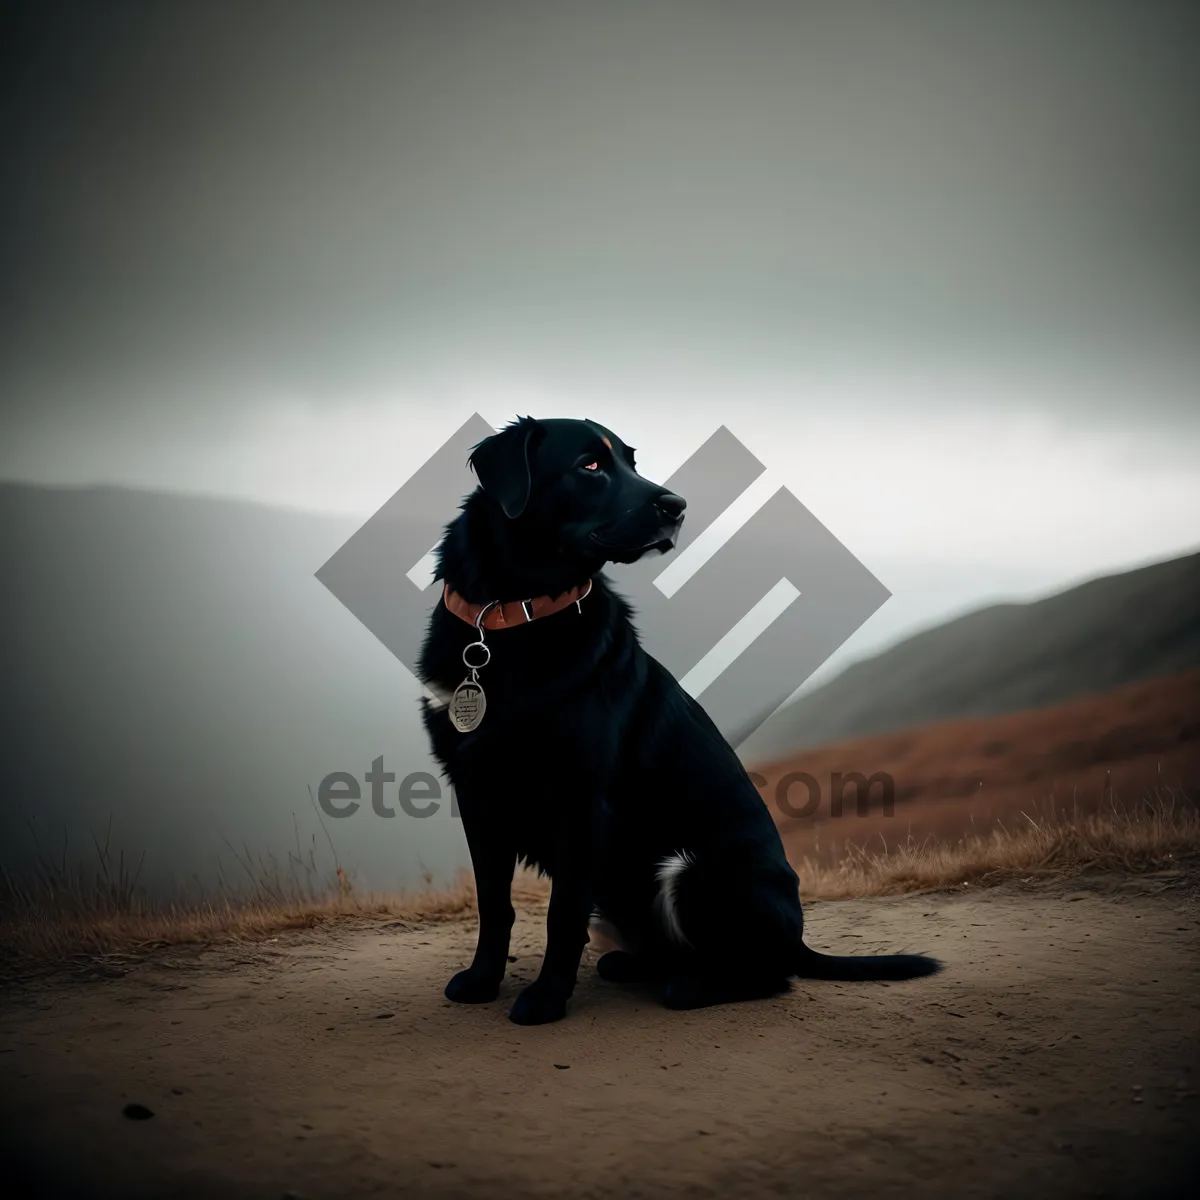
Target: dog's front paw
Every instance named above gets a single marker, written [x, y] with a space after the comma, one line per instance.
[472, 987]
[539, 1004]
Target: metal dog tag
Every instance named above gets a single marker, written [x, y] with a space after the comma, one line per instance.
[467, 706]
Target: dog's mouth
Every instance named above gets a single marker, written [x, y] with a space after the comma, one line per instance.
[621, 550]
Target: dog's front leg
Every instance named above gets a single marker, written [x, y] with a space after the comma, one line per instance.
[570, 910]
[493, 861]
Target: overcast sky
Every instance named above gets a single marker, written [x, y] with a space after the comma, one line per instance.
[937, 264]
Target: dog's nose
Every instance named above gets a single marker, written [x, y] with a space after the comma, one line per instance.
[671, 505]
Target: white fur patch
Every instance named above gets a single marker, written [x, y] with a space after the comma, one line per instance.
[438, 697]
[668, 873]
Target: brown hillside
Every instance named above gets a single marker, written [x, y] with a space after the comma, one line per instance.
[953, 777]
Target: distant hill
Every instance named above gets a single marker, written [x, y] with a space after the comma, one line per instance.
[1006, 658]
[951, 778]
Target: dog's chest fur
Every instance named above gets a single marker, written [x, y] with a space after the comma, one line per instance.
[557, 704]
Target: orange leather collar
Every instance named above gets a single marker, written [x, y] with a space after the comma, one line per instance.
[512, 612]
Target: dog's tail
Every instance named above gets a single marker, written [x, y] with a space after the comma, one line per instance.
[812, 964]
[698, 909]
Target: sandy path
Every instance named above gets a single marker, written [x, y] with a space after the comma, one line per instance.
[1057, 1055]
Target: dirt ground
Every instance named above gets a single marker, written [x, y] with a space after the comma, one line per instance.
[1057, 1055]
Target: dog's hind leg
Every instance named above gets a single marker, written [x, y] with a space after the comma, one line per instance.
[684, 990]
[619, 966]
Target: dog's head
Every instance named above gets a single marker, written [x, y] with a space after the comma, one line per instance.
[573, 486]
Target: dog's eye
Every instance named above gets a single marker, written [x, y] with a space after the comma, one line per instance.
[592, 466]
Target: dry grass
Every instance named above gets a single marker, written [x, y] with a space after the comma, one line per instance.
[1134, 740]
[65, 917]
[1162, 831]
[70, 912]
[34, 929]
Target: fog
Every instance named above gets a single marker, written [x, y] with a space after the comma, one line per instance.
[935, 265]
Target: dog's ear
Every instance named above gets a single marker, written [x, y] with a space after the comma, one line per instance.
[501, 464]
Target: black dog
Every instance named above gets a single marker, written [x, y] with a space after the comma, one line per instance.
[572, 749]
